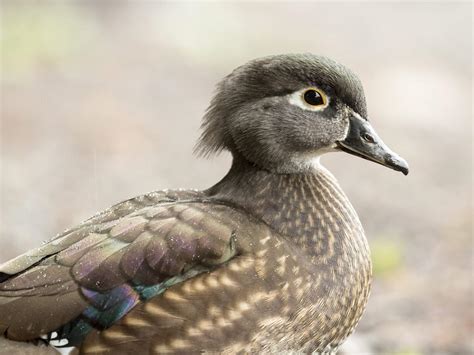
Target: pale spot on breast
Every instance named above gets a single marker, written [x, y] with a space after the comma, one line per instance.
[298, 281]
[243, 306]
[174, 296]
[198, 285]
[212, 282]
[331, 241]
[179, 344]
[262, 296]
[95, 349]
[225, 280]
[281, 269]
[234, 315]
[223, 322]
[162, 348]
[297, 223]
[262, 253]
[188, 286]
[214, 311]
[136, 322]
[115, 334]
[156, 311]
[194, 332]
[205, 325]
[264, 240]
[261, 268]
[241, 264]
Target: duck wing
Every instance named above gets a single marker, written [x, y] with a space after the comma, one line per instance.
[89, 277]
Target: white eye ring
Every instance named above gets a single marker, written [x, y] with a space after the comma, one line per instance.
[298, 99]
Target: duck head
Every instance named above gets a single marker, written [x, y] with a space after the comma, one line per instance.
[282, 112]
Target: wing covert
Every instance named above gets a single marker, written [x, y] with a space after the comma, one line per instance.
[103, 269]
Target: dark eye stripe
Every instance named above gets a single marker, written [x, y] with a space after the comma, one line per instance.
[313, 97]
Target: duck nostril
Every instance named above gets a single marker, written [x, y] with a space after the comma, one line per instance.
[368, 137]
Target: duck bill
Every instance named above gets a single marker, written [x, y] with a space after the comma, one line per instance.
[362, 141]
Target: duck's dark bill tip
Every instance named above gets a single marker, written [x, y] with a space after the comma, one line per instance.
[403, 170]
[391, 161]
[398, 164]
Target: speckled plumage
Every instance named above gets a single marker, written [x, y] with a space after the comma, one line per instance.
[267, 260]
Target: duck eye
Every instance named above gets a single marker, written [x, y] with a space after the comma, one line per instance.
[314, 98]
[310, 99]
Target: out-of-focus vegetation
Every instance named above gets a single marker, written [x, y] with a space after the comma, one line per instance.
[32, 38]
[386, 256]
[102, 101]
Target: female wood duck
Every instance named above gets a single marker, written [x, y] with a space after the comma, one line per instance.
[272, 258]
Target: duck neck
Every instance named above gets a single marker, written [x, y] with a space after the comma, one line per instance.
[309, 208]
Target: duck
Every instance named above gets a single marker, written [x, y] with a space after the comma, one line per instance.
[272, 258]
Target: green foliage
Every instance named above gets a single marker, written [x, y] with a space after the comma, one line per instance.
[38, 35]
[386, 256]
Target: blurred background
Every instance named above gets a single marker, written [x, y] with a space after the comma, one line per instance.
[102, 101]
